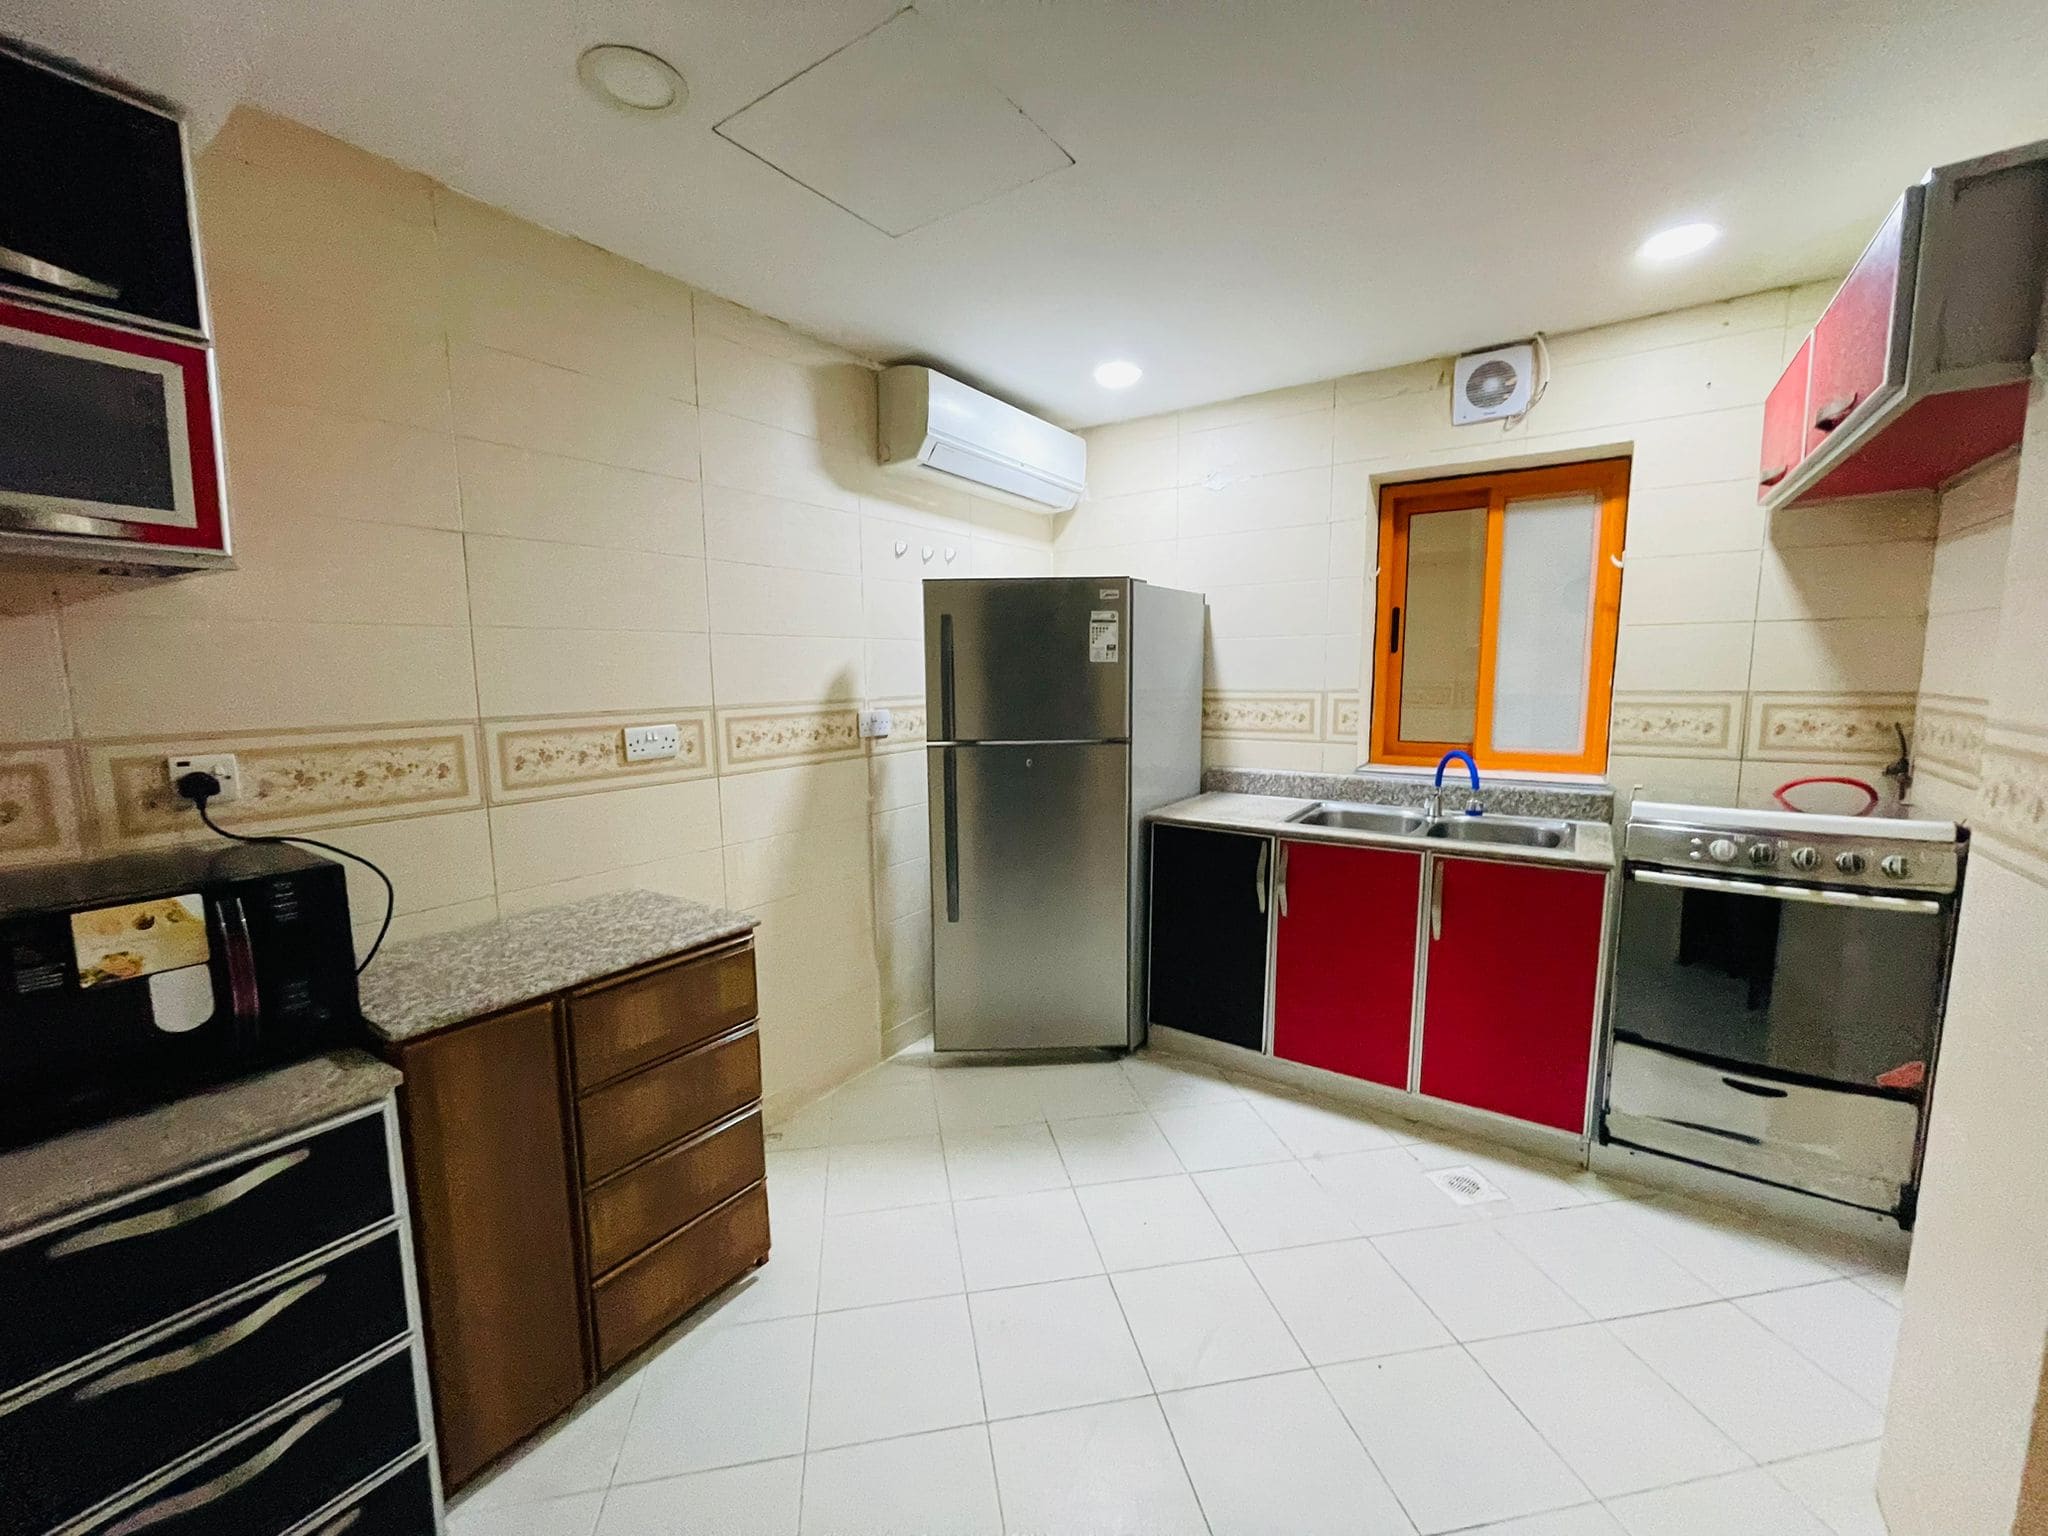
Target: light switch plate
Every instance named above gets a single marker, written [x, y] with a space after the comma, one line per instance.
[646, 742]
[876, 722]
[221, 765]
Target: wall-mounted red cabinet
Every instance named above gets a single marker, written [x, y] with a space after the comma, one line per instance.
[1512, 974]
[1344, 959]
[1785, 422]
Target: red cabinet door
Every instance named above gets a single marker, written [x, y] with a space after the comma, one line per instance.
[1344, 962]
[1785, 422]
[1859, 343]
[1514, 963]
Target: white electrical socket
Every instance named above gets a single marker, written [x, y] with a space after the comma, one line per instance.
[221, 765]
[646, 742]
[876, 722]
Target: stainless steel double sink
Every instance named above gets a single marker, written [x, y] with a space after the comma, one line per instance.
[1395, 821]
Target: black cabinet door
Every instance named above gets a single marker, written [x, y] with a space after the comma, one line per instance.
[92, 199]
[1208, 953]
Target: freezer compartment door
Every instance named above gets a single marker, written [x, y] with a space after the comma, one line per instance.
[1029, 660]
[1030, 897]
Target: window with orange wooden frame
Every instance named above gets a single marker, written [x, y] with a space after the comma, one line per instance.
[1499, 596]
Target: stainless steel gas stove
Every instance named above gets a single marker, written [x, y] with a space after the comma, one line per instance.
[1778, 991]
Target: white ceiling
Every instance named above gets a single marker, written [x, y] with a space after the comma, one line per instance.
[1265, 191]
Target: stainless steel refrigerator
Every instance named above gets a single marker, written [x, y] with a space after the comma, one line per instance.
[1060, 710]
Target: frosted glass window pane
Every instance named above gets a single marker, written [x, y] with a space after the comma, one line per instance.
[1440, 651]
[1543, 646]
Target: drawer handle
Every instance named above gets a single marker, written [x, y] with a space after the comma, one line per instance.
[347, 1521]
[24, 265]
[171, 1217]
[1756, 1090]
[218, 1488]
[1774, 474]
[200, 1350]
[1836, 411]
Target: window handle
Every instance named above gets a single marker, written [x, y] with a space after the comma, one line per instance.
[1394, 632]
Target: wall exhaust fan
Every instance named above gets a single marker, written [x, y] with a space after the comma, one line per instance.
[938, 427]
[1491, 385]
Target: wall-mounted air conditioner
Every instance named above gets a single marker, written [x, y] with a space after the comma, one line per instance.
[932, 425]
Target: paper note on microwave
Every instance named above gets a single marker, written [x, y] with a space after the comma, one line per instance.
[121, 943]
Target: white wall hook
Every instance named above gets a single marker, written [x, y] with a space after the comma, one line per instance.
[925, 554]
[950, 553]
[902, 548]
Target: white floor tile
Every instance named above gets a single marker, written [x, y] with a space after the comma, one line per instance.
[883, 1109]
[977, 1098]
[1886, 1285]
[1202, 1323]
[1107, 1148]
[1840, 1327]
[1385, 1191]
[1342, 1301]
[796, 1193]
[1007, 1160]
[1601, 1264]
[1080, 1089]
[1454, 1449]
[1276, 1206]
[785, 1286]
[1152, 1221]
[1839, 1487]
[720, 1396]
[574, 1516]
[1616, 1423]
[1478, 1286]
[810, 1126]
[895, 1370]
[1024, 1239]
[1739, 1504]
[1169, 1082]
[759, 1499]
[1109, 1470]
[1584, 1520]
[1275, 1455]
[1220, 1135]
[1062, 1345]
[880, 1175]
[1759, 1391]
[1530, 1184]
[1732, 1255]
[577, 1455]
[873, 1257]
[1312, 1128]
[941, 1484]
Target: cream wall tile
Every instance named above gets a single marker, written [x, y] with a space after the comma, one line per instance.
[1239, 559]
[830, 400]
[1804, 305]
[896, 779]
[1234, 752]
[1714, 445]
[1699, 657]
[35, 702]
[433, 861]
[522, 494]
[1857, 520]
[771, 868]
[995, 519]
[1406, 423]
[471, 230]
[692, 876]
[277, 344]
[1735, 369]
[893, 609]
[894, 668]
[778, 800]
[1344, 602]
[1140, 518]
[1960, 649]
[527, 584]
[999, 557]
[819, 943]
[1761, 779]
[346, 176]
[1985, 493]
[1157, 562]
[905, 961]
[727, 321]
[752, 457]
[1969, 567]
[752, 529]
[1132, 456]
[1263, 501]
[1273, 608]
[766, 600]
[1847, 581]
[540, 842]
[1839, 656]
[1259, 664]
[902, 835]
[1343, 662]
[2019, 681]
[1264, 446]
[904, 890]
[530, 671]
[813, 1043]
[1406, 378]
[1293, 401]
[290, 464]
[784, 669]
[1689, 780]
[502, 398]
[1689, 589]
[217, 675]
[1712, 517]
[1680, 327]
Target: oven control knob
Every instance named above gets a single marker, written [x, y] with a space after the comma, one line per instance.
[1763, 853]
[1895, 865]
[1850, 862]
[1806, 858]
[1721, 850]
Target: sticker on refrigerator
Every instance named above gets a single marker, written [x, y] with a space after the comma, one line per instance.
[1102, 635]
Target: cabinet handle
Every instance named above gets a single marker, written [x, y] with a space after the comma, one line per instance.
[1436, 903]
[235, 1477]
[199, 1351]
[1280, 879]
[149, 1223]
[1836, 411]
[24, 265]
[1259, 879]
[1773, 476]
[1757, 1090]
[345, 1522]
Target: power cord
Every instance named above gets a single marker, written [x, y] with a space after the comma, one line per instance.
[202, 787]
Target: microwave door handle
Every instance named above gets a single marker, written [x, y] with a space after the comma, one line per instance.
[241, 957]
[1770, 890]
[21, 264]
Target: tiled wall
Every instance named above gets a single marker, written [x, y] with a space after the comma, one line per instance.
[496, 494]
[1751, 651]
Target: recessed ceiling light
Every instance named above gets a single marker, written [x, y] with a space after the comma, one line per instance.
[1677, 242]
[631, 78]
[1118, 374]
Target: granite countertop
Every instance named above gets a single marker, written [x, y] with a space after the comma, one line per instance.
[424, 984]
[105, 1161]
[1551, 799]
[1592, 845]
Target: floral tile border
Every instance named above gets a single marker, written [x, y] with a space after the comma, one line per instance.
[909, 726]
[38, 811]
[2012, 796]
[323, 779]
[537, 759]
[1825, 728]
[776, 738]
[1948, 739]
[1344, 716]
[1677, 724]
[1287, 715]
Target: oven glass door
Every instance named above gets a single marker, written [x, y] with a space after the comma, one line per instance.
[1831, 994]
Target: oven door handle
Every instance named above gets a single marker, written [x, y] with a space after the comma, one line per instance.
[1772, 890]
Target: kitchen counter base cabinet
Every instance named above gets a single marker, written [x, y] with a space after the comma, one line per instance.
[1210, 892]
[1513, 973]
[1344, 959]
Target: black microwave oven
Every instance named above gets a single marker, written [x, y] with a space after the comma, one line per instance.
[133, 980]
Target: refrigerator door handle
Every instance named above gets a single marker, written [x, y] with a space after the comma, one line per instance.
[946, 678]
[949, 772]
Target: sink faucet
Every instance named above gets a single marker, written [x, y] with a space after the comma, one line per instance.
[1433, 798]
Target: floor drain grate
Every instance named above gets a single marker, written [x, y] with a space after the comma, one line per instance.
[1467, 1186]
